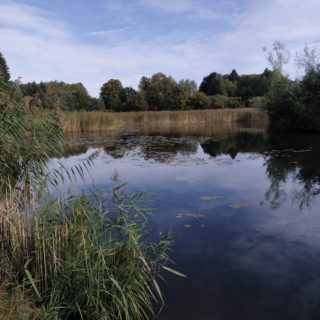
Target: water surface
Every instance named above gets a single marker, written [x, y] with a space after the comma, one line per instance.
[243, 207]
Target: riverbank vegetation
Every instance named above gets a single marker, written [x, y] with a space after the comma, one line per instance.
[291, 104]
[155, 93]
[294, 105]
[98, 120]
[77, 257]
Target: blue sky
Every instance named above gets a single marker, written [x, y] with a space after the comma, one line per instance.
[93, 41]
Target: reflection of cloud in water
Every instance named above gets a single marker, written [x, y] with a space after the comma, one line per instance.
[282, 251]
[252, 258]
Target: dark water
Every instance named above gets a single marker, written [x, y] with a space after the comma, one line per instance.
[244, 210]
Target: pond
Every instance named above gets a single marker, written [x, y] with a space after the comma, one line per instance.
[243, 207]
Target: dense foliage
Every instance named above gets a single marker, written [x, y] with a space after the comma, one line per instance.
[27, 137]
[58, 95]
[296, 105]
[233, 85]
[155, 93]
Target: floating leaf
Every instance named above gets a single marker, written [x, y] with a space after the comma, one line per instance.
[189, 214]
[240, 205]
[210, 198]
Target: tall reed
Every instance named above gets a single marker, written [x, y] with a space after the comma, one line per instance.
[99, 120]
[83, 258]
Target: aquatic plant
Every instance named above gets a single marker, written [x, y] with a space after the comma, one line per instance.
[83, 258]
[99, 120]
[27, 137]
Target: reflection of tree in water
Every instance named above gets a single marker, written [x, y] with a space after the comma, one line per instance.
[287, 156]
[158, 148]
[234, 143]
[295, 156]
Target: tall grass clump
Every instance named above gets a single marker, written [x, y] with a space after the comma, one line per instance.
[84, 121]
[84, 258]
[27, 139]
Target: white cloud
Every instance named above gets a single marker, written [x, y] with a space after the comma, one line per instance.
[169, 6]
[30, 19]
[39, 47]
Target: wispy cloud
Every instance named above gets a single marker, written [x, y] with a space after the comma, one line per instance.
[169, 6]
[40, 46]
[32, 20]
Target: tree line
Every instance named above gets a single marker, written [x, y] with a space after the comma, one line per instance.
[155, 93]
[291, 104]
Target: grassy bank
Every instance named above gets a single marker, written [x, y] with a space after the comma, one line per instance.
[100, 121]
[79, 259]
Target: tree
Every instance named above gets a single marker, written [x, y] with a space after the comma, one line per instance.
[54, 94]
[200, 101]
[213, 84]
[308, 60]
[160, 91]
[111, 94]
[186, 89]
[233, 76]
[133, 100]
[278, 56]
[4, 70]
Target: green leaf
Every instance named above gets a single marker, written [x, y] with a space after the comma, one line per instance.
[29, 276]
[174, 272]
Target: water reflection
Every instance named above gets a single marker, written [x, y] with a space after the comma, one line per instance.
[260, 260]
[287, 157]
[294, 157]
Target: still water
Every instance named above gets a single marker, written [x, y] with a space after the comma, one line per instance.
[244, 209]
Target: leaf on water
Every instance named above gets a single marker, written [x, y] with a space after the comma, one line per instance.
[187, 225]
[174, 272]
[239, 205]
[189, 214]
[211, 198]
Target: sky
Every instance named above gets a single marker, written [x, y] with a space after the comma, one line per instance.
[92, 41]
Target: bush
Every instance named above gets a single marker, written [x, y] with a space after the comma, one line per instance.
[295, 105]
[200, 101]
[220, 102]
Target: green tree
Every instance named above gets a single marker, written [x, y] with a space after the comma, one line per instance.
[160, 91]
[200, 101]
[186, 90]
[213, 84]
[111, 94]
[133, 100]
[233, 76]
[4, 70]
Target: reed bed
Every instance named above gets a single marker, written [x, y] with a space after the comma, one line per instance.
[84, 121]
[82, 258]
